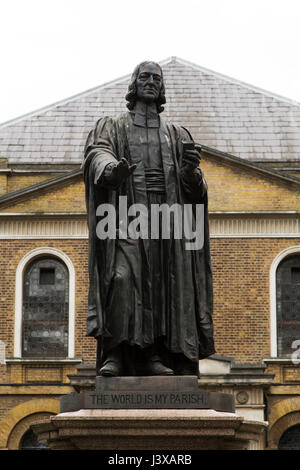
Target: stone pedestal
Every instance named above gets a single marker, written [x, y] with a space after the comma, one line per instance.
[149, 430]
[149, 413]
[163, 392]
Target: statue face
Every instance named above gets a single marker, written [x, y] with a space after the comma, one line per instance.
[148, 83]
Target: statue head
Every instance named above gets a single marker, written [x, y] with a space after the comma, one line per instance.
[146, 84]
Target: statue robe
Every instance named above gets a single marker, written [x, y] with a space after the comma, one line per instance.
[186, 326]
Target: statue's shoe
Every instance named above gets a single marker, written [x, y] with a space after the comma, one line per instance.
[157, 368]
[111, 368]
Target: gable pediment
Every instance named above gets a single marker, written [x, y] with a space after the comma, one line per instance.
[63, 194]
[235, 185]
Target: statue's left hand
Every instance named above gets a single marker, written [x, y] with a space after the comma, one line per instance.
[190, 159]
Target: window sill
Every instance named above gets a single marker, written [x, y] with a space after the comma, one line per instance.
[283, 360]
[32, 360]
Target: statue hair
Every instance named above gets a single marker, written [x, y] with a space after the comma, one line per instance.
[132, 92]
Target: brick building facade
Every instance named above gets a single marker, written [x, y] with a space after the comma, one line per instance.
[251, 143]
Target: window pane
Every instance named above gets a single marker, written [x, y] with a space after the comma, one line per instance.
[45, 309]
[47, 275]
[295, 275]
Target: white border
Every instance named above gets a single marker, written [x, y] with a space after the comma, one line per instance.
[19, 297]
[273, 313]
[253, 225]
[41, 228]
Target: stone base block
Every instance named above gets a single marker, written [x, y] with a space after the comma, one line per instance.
[155, 429]
[160, 392]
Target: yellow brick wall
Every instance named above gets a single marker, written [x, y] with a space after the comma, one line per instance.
[241, 293]
[8, 402]
[3, 184]
[19, 181]
[241, 266]
[70, 198]
[32, 373]
[231, 189]
[240, 272]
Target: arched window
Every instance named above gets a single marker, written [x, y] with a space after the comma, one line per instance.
[45, 305]
[288, 304]
[290, 439]
[45, 309]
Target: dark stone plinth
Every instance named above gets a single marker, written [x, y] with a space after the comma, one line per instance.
[176, 392]
[168, 383]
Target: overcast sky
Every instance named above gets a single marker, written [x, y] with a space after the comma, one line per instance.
[54, 49]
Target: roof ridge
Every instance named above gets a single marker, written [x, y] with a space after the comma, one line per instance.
[236, 81]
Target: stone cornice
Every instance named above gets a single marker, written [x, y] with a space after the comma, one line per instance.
[262, 224]
[61, 226]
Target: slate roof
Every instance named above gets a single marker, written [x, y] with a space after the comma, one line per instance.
[220, 112]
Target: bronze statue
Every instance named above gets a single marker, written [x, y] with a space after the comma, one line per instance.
[150, 299]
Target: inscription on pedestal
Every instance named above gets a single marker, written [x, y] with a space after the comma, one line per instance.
[147, 392]
[146, 399]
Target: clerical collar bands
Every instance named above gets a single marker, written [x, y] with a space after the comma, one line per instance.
[145, 115]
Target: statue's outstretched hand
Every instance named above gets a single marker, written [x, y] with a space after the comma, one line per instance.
[115, 174]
